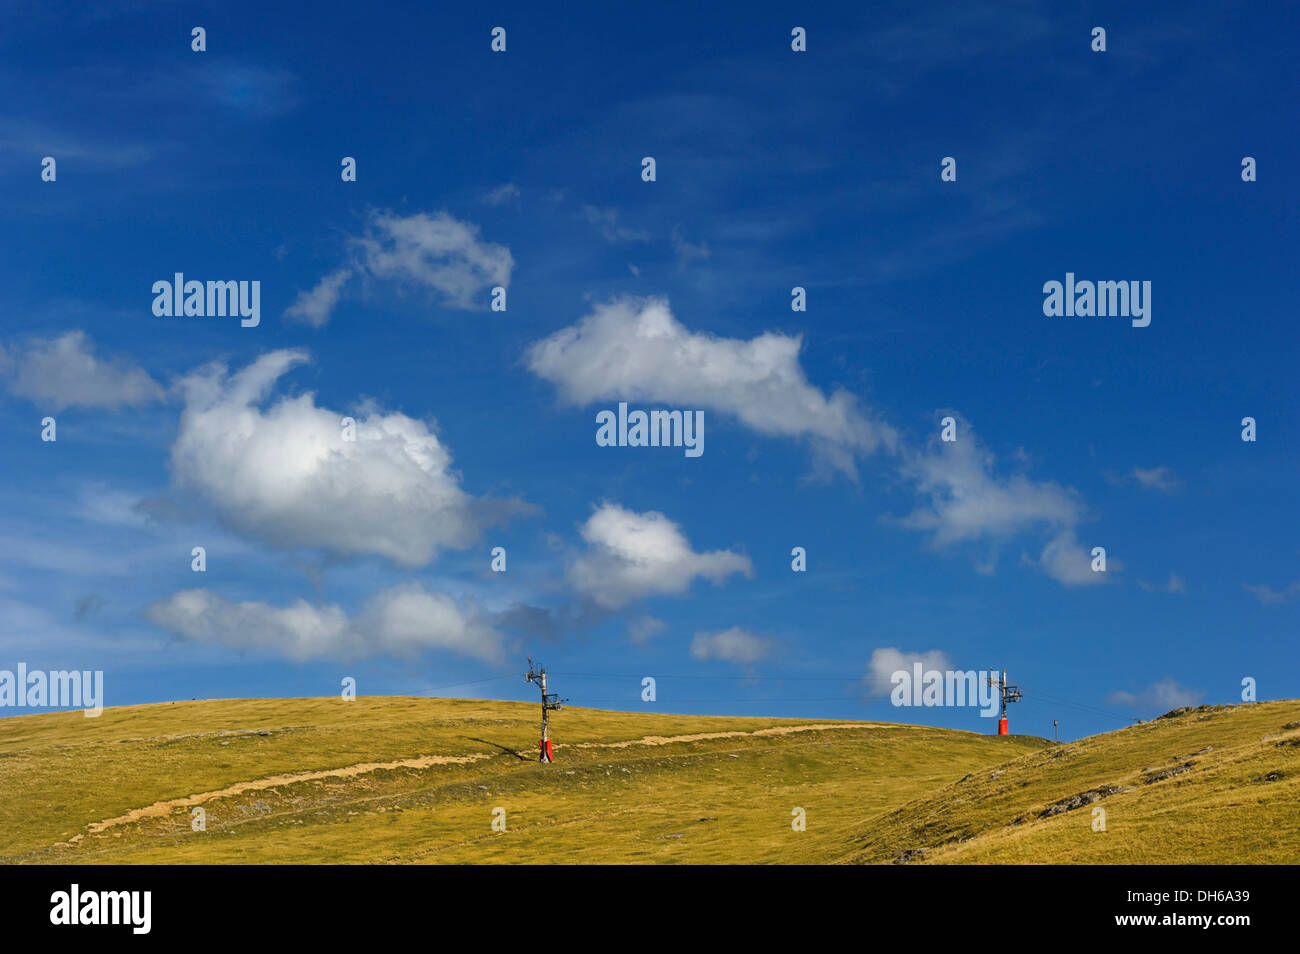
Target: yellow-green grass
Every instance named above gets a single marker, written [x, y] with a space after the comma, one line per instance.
[1238, 803]
[72, 788]
[727, 799]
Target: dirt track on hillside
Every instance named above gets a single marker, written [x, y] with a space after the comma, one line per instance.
[164, 808]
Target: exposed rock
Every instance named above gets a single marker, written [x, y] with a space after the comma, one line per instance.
[1184, 710]
[908, 855]
[1167, 773]
[1080, 800]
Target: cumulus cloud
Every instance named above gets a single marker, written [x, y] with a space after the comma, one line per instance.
[286, 475]
[402, 621]
[734, 645]
[1163, 695]
[887, 661]
[438, 252]
[64, 372]
[634, 555]
[635, 350]
[315, 307]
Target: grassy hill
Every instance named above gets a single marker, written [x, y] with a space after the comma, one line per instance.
[1205, 785]
[417, 780]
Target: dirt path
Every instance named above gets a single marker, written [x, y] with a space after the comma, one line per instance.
[705, 736]
[164, 808]
[160, 809]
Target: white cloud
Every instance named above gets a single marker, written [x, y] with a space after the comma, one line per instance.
[63, 372]
[502, 194]
[1067, 561]
[1161, 479]
[966, 501]
[611, 228]
[402, 621]
[438, 252]
[285, 474]
[315, 307]
[733, 645]
[685, 251]
[644, 628]
[633, 555]
[1163, 695]
[635, 350]
[22, 138]
[1175, 585]
[1266, 594]
[887, 661]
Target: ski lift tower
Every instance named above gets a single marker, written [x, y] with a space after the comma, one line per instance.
[550, 703]
[1007, 694]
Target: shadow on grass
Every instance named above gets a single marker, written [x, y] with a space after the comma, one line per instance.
[505, 749]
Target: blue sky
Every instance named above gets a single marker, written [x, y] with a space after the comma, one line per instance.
[476, 428]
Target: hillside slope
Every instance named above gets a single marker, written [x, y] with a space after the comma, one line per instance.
[403, 780]
[417, 780]
[1209, 785]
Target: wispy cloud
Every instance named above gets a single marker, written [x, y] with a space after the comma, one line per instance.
[315, 307]
[1266, 594]
[29, 141]
[1163, 695]
[1160, 479]
[58, 373]
[437, 252]
[1175, 584]
[734, 645]
[609, 222]
[502, 194]
[250, 89]
[966, 500]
